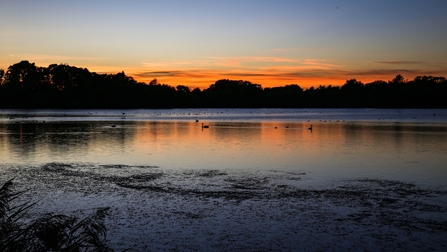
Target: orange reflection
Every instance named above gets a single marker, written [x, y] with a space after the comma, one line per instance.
[254, 144]
[333, 149]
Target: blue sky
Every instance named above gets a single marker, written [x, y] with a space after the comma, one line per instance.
[197, 42]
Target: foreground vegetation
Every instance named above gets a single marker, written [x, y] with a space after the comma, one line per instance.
[50, 232]
[24, 85]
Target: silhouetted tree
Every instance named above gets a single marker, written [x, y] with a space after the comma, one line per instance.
[183, 89]
[399, 79]
[353, 94]
[24, 85]
[232, 93]
[2, 75]
[376, 94]
[22, 75]
[288, 96]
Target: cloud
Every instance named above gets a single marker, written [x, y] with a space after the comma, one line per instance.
[158, 73]
[395, 71]
[239, 61]
[175, 64]
[401, 62]
[267, 77]
[270, 71]
[297, 49]
[95, 64]
[317, 62]
[260, 59]
[243, 62]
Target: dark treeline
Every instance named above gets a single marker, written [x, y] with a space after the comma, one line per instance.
[24, 85]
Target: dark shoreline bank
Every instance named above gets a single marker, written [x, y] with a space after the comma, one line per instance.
[248, 210]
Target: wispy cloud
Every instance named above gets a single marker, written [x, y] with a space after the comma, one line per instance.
[176, 64]
[381, 72]
[399, 62]
[52, 59]
[305, 76]
[297, 49]
[175, 73]
[251, 63]
[255, 59]
[244, 61]
[265, 70]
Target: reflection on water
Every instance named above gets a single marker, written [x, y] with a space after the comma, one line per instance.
[408, 151]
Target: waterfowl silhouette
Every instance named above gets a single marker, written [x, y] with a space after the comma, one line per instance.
[205, 126]
[310, 128]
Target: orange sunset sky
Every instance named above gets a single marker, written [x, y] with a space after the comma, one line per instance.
[195, 43]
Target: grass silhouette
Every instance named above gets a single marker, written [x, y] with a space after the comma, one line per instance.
[50, 232]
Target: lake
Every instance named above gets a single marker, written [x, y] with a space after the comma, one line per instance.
[253, 180]
[398, 144]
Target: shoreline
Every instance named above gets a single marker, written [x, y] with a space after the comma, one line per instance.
[196, 210]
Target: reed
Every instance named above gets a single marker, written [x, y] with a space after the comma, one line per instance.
[49, 232]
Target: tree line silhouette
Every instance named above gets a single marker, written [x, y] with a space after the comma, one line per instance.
[25, 85]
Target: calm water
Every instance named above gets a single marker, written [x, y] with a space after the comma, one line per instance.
[408, 145]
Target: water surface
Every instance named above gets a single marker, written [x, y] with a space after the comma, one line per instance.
[408, 145]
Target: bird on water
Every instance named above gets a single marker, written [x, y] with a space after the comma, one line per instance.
[205, 126]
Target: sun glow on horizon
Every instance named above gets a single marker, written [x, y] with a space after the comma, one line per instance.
[196, 43]
[267, 71]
